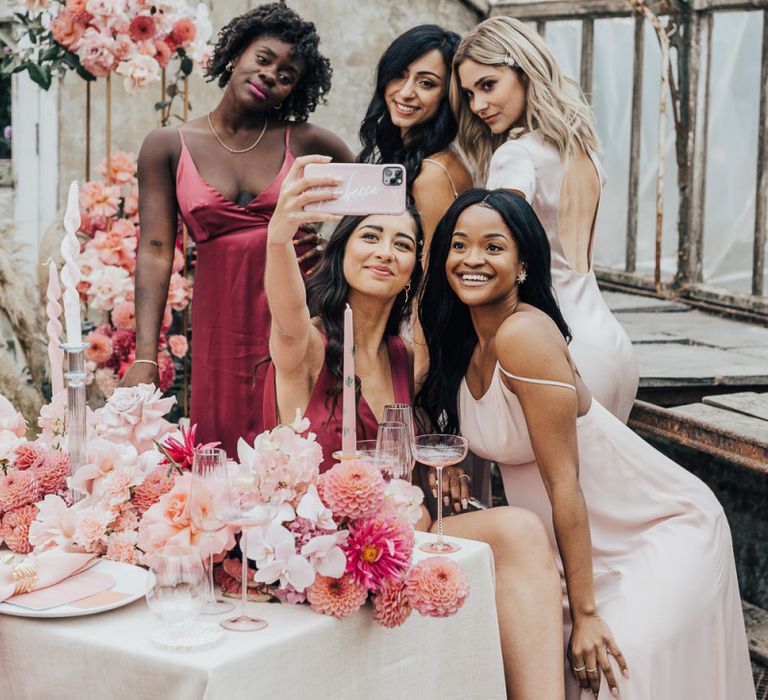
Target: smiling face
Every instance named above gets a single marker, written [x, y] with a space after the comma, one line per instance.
[483, 261]
[415, 96]
[496, 94]
[265, 73]
[380, 255]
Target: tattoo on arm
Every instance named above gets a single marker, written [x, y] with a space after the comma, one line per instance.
[155, 243]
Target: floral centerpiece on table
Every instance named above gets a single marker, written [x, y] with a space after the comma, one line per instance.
[134, 39]
[109, 235]
[332, 541]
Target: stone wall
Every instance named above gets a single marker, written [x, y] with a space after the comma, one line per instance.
[353, 33]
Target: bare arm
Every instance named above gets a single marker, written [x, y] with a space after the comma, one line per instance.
[312, 139]
[531, 347]
[154, 260]
[289, 336]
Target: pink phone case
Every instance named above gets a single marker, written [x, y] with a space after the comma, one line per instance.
[366, 189]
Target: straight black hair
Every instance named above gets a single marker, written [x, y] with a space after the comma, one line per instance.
[445, 319]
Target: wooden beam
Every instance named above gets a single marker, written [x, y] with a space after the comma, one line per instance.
[761, 189]
[694, 53]
[587, 50]
[576, 9]
[634, 144]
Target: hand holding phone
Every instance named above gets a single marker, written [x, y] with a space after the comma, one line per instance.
[362, 189]
[297, 191]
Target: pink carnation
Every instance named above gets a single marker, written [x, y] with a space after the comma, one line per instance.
[101, 347]
[353, 489]
[127, 519]
[16, 528]
[18, 489]
[378, 550]
[121, 546]
[178, 345]
[391, 606]
[124, 316]
[339, 597]
[148, 493]
[99, 199]
[52, 473]
[77, 11]
[28, 454]
[436, 587]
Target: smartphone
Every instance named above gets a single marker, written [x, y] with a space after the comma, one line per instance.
[365, 188]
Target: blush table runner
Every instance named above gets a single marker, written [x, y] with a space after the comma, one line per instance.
[300, 655]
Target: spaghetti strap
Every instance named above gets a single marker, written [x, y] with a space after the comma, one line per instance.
[549, 382]
[447, 174]
[181, 137]
[287, 138]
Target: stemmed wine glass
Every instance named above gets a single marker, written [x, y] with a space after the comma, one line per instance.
[243, 508]
[392, 455]
[209, 486]
[402, 413]
[175, 595]
[439, 451]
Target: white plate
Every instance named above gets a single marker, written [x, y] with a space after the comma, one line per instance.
[129, 579]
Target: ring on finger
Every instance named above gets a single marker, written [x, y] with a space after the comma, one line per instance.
[592, 670]
[578, 669]
[465, 476]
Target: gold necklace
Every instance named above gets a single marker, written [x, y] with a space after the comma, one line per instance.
[238, 150]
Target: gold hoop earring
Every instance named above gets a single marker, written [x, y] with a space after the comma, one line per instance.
[407, 289]
[230, 66]
[522, 276]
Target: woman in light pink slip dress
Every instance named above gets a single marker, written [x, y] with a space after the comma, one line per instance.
[643, 547]
[531, 130]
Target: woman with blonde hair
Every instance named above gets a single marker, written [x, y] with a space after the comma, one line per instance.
[528, 128]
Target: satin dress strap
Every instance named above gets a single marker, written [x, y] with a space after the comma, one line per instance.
[549, 382]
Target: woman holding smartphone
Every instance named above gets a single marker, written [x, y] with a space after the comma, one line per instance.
[368, 263]
[651, 600]
[531, 131]
[222, 173]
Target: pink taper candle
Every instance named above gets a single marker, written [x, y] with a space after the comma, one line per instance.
[53, 327]
[70, 272]
[348, 429]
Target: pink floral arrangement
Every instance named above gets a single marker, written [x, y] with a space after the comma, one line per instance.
[134, 39]
[332, 541]
[110, 234]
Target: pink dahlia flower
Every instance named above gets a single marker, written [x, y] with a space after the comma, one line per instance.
[353, 489]
[124, 316]
[28, 454]
[101, 347]
[15, 529]
[146, 494]
[378, 550]
[18, 489]
[142, 28]
[391, 606]
[437, 587]
[339, 597]
[52, 472]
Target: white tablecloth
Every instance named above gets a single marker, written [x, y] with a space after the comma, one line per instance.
[301, 655]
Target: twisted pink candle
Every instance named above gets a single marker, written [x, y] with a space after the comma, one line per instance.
[53, 311]
[70, 272]
[348, 429]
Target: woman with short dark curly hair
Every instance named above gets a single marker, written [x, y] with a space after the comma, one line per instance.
[222, 173]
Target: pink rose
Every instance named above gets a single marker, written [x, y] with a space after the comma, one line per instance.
[178, 345]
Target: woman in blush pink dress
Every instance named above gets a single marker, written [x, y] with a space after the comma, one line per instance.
[530, 130]
[650, 596]
[222, 173]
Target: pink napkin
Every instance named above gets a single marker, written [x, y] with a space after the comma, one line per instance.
[52, 566]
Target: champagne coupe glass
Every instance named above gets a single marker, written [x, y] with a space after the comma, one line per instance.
[242, 507]
[209, 486]
[175, 595]
[391, 453]
[439, 451]
[366, 451]
[402, 413]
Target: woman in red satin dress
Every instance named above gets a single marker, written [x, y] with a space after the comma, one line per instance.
[222, 173]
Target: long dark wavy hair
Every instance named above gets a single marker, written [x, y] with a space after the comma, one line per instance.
[328, 291]
[381, 139]
[445, 319]
[276, 20]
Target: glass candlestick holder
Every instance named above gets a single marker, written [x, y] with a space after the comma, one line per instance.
[76, 407]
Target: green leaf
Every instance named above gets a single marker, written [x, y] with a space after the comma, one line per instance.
[50, 53]
[187, 65]
[38, 76]
[84, 74]
[172, 90]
